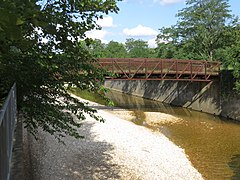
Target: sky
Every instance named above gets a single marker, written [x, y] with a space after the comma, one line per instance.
[142, 19]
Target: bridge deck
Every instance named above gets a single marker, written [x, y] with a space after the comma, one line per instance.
[160, 69]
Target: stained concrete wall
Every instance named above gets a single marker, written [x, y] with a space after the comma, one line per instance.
[200, 96]
[231, 106]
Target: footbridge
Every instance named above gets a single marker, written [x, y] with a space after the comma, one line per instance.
[160, 69]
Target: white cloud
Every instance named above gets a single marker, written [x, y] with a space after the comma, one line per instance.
[140, 31]
[162, 2]
[134, 1]
[107, 21]
[168, 2]
[152, 43]
[98, 34]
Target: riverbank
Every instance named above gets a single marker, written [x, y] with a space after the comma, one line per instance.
[116, 149]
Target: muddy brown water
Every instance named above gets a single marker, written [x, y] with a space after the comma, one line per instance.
[211, 143]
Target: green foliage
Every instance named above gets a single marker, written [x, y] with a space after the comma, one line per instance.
[111, 50]
[115, 50]
[137, 48]
[235, 52]
[230, 56]
[167, 43]
[206, 30]
[97, 49]
[131, 49]
[203, 28]
[99, 97]
[39, 49]
[152, 53]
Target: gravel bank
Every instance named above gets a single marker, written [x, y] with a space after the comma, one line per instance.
[116, 149]
[151, 118]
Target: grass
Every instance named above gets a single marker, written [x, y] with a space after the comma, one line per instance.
[95, 97]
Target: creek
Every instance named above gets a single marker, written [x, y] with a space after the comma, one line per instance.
[211, 143]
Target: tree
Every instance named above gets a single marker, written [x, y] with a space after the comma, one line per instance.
[234, 52]
[97, 48]
[202, 26]
[40, 50]
[137, 48]
[152, 53]
[167, 43]
[115, 50]
[170, 46]
[202, 29]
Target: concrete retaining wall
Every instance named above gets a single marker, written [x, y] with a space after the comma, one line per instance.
[200, 96]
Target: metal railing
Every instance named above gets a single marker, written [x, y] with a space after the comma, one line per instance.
[160, 69]
[8, 116]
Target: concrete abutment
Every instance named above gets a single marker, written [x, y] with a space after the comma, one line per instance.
[201, 96]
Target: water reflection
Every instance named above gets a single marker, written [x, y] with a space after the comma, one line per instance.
[212, 144]
[234, 164]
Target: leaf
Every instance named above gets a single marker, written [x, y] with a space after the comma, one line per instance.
[19, 22]
[41, 69]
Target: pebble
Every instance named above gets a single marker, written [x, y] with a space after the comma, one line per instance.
[116, 149]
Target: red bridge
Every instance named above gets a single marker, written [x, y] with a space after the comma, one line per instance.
[160, 69]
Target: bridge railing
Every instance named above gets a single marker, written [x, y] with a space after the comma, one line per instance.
[7, 126]
[163, 69]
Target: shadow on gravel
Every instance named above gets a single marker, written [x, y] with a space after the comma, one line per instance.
[92, 159]
[84, 159]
